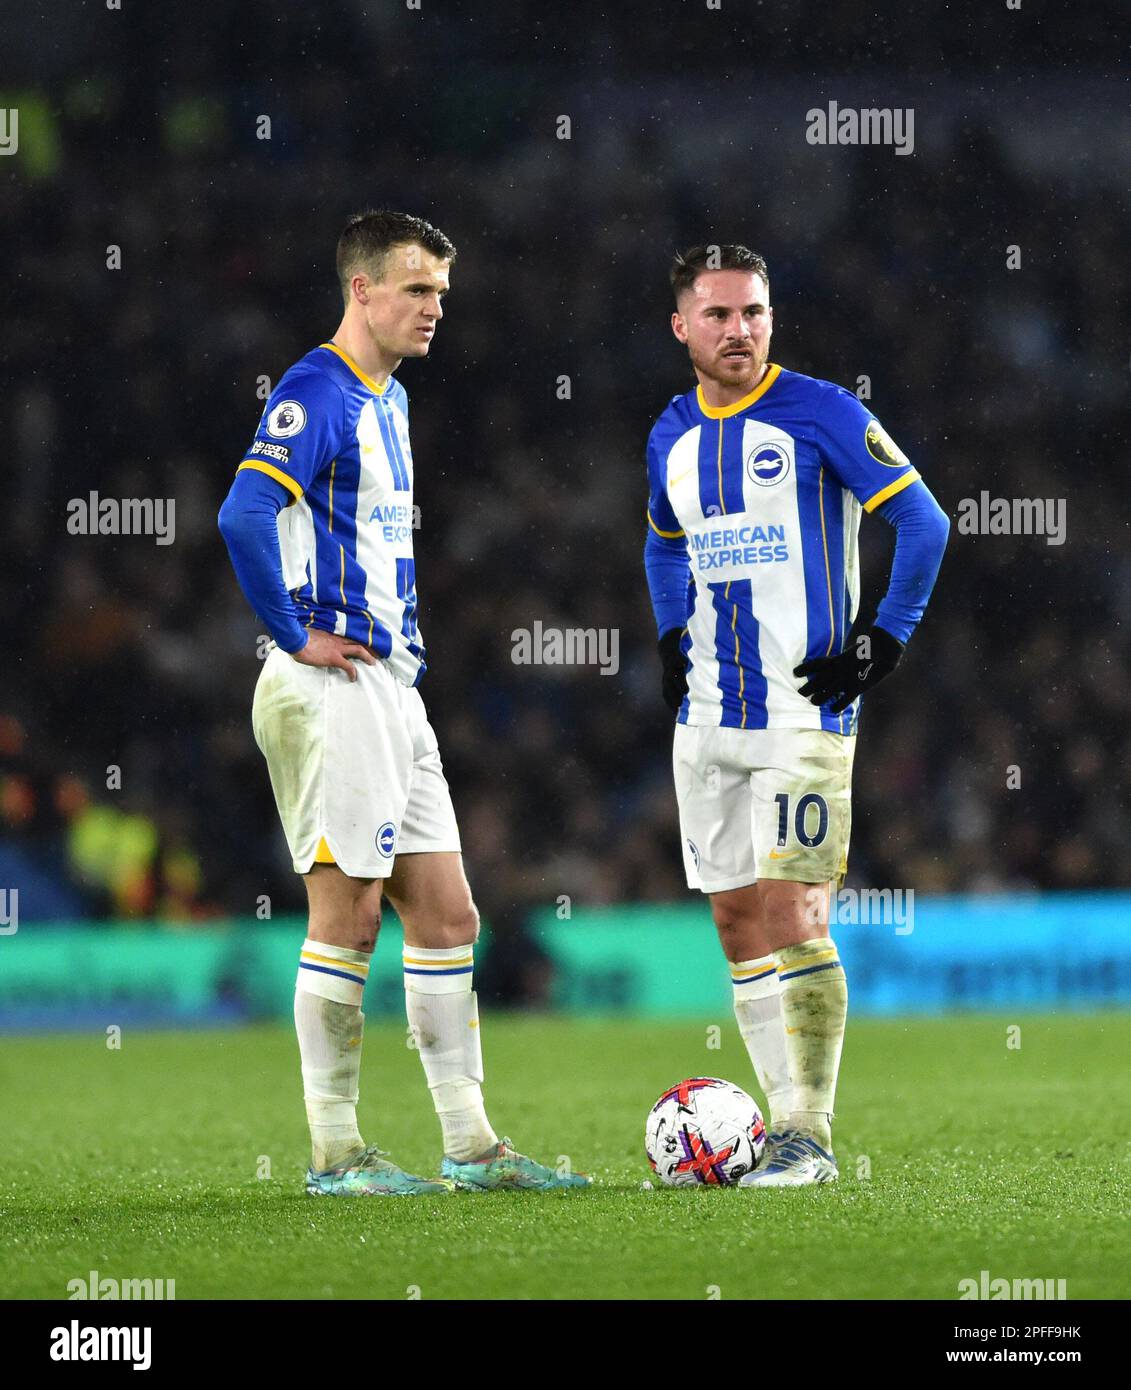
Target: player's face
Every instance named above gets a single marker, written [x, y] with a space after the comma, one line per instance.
[725, 321]
[404, 306]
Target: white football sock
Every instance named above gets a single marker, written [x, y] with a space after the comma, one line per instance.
[814, 1000]
[329, 1023]
[444, 1017]
[757, 1007]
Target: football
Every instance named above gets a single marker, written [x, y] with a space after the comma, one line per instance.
[704, 1132]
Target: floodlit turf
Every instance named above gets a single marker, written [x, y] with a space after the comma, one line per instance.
[957, 1154]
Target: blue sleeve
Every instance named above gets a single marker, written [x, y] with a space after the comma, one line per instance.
[665, 549]
[669, 576]
[858, 450]
[249, 523]
[300, 431]
[661, 518]
[921, 530]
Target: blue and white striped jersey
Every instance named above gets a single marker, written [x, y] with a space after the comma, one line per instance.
[338, 443]
[766, 496]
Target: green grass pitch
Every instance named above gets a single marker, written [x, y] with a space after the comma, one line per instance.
[957, 1154]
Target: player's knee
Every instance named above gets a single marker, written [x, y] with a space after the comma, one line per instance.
[354, 933]
[442, 923]
[733, 918]
[366, 922]
[365, 933]
[462, 927]
[455, 926]
[789, 904]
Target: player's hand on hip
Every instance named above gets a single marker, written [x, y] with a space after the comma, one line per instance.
[674, 686]
[869, 655]
[327, 649]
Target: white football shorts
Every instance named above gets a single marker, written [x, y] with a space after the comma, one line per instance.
[354, 766]
[762, 803]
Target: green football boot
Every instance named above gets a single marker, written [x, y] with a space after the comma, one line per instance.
[503, 1167]
[370, 1174]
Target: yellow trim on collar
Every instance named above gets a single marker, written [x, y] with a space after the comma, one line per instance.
[722, 412]
[352, 365]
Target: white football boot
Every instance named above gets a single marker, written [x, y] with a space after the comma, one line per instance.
[793, 1159]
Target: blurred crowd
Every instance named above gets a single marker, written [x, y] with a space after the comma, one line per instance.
[130, 785]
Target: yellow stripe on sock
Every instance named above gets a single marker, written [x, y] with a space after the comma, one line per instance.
[336, 960]
[802, 961]
[441, 964]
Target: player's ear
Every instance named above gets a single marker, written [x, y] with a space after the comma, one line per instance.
[679, 328]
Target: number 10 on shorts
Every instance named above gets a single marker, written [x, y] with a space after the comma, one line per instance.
[801, 818]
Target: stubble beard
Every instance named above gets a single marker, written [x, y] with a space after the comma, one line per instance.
[710, 368]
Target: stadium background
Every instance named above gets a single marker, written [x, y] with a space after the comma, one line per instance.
[139, 130]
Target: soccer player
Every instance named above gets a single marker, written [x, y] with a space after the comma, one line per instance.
[757, 480]
[319, 524]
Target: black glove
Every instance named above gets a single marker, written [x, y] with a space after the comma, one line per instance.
[675, 669]
[869, 655]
